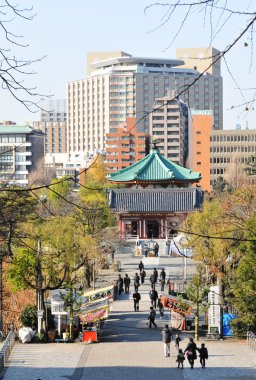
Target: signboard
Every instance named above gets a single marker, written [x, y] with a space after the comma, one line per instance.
[99, 294]
[201, 112]
[173, 304]
[214, 310]
[57, 305]
[40, 313]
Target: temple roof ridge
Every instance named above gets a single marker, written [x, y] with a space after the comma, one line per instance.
[155, 168]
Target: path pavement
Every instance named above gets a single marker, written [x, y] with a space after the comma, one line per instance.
[128, 349]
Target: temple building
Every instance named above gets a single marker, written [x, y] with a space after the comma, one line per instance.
[154, 197]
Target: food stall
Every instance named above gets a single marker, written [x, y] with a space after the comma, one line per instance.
[93, 311]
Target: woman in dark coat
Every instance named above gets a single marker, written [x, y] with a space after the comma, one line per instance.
[191, 352]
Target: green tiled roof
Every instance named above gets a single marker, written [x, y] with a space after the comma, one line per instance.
[9, 129]
[154, 168]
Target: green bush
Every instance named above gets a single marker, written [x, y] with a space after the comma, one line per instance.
[39, 338]
[28, 316]
[240, 328]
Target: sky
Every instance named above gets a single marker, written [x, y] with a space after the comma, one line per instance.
[64, 31]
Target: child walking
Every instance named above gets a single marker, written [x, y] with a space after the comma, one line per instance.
[180, 359]
[177, 341]
[203, 354]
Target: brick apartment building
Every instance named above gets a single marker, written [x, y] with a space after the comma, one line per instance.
[125, 146]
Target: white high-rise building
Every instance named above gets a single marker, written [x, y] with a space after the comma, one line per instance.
[126, 86]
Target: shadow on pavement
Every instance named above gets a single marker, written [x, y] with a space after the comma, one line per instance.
[160, 373]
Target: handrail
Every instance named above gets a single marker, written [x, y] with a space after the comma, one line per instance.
[251, 340]
[6, 349]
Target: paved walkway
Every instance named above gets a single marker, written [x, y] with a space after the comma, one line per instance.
[128, 349]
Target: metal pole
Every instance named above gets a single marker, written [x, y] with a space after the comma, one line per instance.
[39, 290]
[93, 273]
[185, 267]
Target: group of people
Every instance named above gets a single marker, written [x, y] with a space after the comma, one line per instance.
[147, 250]
[190, 350]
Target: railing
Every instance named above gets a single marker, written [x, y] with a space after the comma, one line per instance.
[6, 349]
[251, 340]
[131, 237]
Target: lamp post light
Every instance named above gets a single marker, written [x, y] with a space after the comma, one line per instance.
[40, 311]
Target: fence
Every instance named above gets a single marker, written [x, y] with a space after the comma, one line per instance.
[251, 340]
[6, 349]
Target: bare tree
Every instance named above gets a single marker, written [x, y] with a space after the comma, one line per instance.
[14, 69]
[215, 15]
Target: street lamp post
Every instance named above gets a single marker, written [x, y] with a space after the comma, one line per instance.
[40, 312]
[93, 273]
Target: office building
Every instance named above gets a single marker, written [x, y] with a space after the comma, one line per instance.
[21, 150]
[202, 124]
[53, 124]
[169, 126]
[125, 146]
[229, 152]
[127, 86]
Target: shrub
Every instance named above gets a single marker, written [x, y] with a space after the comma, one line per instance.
[28, 316]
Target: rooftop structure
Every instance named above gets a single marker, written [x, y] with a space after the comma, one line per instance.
[155, 168]
[157, 194]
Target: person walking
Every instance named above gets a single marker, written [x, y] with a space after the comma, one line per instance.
[153, 295]
[190, 350]
[162, 279]
[167, 338]
[161, 308]
[136, 281]
[155, 273]
[146, 250]
[127, 282]
[203, 354]
[141, 266]
[151, 317]
[136, 300]
[120, 284]
[177, 341]
[152, 281]
[180, 359]
[156, 249]
[142, 276]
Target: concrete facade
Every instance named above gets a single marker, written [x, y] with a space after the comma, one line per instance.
[230, 148]
[21, 149]
[168, 126]
[53, 124]
[127, 86]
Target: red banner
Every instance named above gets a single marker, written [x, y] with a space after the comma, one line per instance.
[173, 304]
